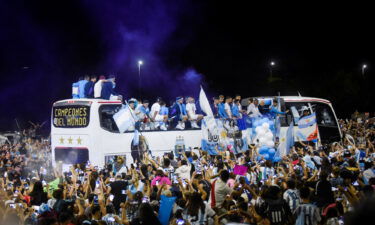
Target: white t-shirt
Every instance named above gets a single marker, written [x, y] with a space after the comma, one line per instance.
[190, 108]
[155, 108]
[253, 111]
[228, 109]
[98, 89]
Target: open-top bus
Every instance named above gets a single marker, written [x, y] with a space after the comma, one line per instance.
[84, 130]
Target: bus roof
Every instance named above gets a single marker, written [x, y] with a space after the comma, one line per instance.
[86, 101]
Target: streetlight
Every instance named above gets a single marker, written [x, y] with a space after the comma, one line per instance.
[140, 63]
[364, 66]
[272, 64]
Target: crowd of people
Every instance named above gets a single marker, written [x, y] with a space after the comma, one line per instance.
[332, 184]
[181, 114]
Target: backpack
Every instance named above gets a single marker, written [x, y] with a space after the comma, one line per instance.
[276, 212]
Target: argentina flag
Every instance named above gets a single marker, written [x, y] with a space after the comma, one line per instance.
[124, 119]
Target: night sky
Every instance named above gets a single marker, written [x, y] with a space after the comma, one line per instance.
[224, 45]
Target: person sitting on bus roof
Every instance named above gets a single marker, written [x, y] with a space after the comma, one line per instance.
[178, 113]
[89, 87]
[191, 109]
[252, 109]
[82, 84]
[98, 87]
[75, 88]
[108, 88]
[274, 111]
[143, 112]
[164, 112]
[155, 115]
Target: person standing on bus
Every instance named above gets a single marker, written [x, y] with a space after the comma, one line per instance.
[82, 84]
[252, 109]
[89, 87]
[263, 109]
[221, 108]
[228, 107]
[274, 111]
[108, 88]
[75, 88]
[215, 107]
[98, 87]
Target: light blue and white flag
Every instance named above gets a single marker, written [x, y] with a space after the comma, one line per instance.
[286, 142]
[307, 121]
[124, 119]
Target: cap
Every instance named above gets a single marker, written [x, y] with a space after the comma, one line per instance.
[132, 100]
[178, 98]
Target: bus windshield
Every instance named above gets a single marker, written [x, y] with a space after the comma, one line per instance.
[71, 116]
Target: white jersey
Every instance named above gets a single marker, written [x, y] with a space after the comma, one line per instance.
[155, 108]
[191, 108]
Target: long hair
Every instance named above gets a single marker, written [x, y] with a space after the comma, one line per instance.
[38, 188]
[147, 215]
[194, 204]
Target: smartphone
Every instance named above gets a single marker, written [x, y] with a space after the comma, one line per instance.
[44, 183]
[184, 183]
[180, 222]
[175, 180]
[96, 200]
[145, 200]
[36, 208]
[157, 182]
[111, 219]
[97, 184]
[111, 197]
[355, 183]
[13, 206]
[112, 179]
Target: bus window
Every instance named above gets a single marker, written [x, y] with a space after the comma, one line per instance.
[106, 113]
[324, 115]
[71, 116]
[71, 155]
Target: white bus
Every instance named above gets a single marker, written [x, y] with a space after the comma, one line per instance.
[84, 130]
